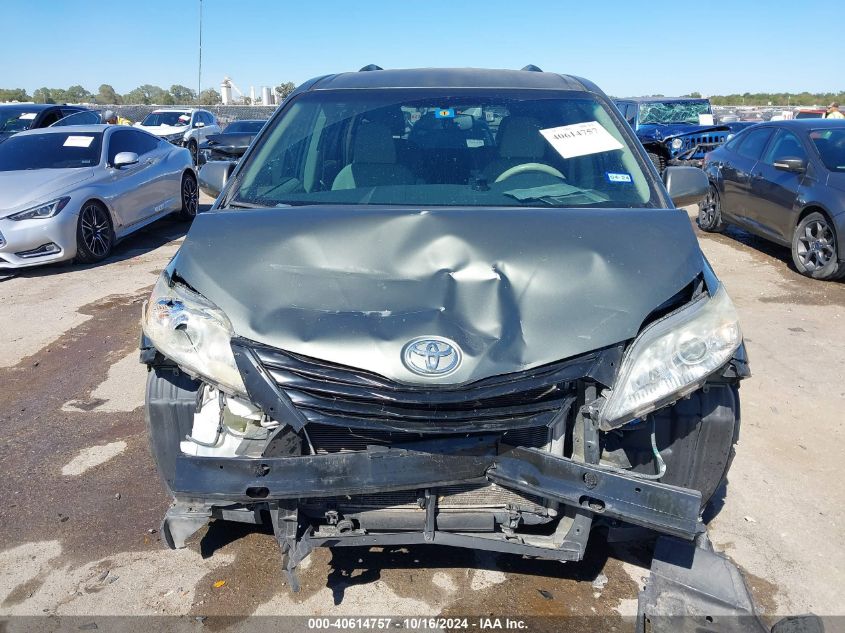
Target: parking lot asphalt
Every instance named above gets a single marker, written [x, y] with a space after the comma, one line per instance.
[81, 501]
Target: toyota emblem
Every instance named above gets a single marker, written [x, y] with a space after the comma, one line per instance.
[431, 356]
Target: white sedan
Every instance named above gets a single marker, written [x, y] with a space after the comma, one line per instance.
[72, 192]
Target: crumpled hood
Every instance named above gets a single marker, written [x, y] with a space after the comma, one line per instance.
[514, 288]
[663, 131]
[24, 188]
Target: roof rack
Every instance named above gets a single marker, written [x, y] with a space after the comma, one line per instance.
[370, 67]
[532, 68]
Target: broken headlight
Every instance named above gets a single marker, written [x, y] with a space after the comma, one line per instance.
[673, 357]
[193, 332]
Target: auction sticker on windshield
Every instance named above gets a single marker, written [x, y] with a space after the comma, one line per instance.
[580, 139]
[79, 141]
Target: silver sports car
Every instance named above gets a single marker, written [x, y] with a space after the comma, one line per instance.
[74, 191]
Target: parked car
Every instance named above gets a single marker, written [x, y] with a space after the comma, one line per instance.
[784, 181]
[70, 192]
[374, 341]
[232, 142]
[676, 131]
[811, 113]
[18, 117]
[85, 117]
[183, 127]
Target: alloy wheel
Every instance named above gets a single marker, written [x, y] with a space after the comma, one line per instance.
[190, 196]
[816, 246]
[710, 207]
[96, 230]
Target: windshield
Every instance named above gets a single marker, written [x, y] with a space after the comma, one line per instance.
[51, 151]
[455, 148]
[167, 118]
[16, 119]
[831, 147]
[673, 111]
[244, 127]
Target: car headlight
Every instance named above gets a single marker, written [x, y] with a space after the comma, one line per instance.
[672, 358]
[193, 332]
[677, 143]
[174, 137]
[47, 210]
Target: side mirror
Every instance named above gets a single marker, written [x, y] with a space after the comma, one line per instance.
[795, 165]
[214, 175]
[686, 185]
[124, 159]
[199, 124]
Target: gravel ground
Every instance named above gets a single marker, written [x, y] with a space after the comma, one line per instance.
[82, 502]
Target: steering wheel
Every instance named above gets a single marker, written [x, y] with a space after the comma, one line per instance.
[524, 167]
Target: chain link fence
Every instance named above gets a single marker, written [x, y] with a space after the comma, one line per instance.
[224, 113]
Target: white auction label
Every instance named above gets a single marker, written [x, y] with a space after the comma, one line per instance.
[580, 139]
[79, 141]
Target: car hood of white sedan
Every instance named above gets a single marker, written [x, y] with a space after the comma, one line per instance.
[164, 130]
[25, 188]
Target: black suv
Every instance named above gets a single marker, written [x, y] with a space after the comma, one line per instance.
[443, 306]
[17, 117]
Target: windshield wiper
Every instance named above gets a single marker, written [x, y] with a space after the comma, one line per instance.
[253, 205]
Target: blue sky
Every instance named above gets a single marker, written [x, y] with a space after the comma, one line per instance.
[626, 48]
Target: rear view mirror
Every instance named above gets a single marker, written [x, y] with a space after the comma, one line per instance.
[686, 185]
[214, 175]
[796, 165]
[124, 159]
[199, 124]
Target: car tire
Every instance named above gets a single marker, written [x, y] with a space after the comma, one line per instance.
[658, 161]
[814, 250]
[189, 194]
[710, 212]
[192, 147]
[94, 233]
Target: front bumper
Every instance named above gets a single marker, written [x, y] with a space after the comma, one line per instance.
[438, 463]
[482, 488]
[21, 236]
[691, 156]
[290, 488]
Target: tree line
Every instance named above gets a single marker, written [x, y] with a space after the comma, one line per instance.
[772, 98]
[146, 94]
[779, 98]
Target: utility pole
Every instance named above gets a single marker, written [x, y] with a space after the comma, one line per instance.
[199, 74]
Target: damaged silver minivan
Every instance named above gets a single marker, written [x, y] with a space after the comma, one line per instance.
[443, 306]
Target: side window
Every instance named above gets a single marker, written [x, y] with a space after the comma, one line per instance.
[50, 117]
[785, 145]
[120, 141]
[734, 143]
[143, 143]
[631, 114]
[209, 119]
[754, 143]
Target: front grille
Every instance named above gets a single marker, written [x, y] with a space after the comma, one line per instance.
[703, 142]
[330, 394]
